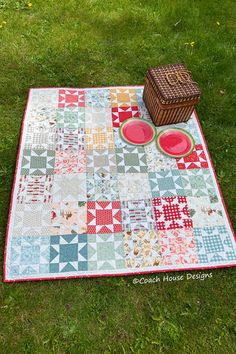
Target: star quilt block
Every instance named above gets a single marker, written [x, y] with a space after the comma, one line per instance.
[101, 161]
[166, 184]
[131, 160]
[37, 162]
[214, 244]
[104, 217]
[71, 98]
[123, 97]
[69, 188]
[105, 251]
[70, 118]
[197, 182]
[68, 253]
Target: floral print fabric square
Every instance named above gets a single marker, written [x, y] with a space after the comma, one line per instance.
[87, 203]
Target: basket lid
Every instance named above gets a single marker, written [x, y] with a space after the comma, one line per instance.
[173, 82]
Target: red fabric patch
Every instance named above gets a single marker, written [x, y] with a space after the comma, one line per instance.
[178, 247]
[172, 213]
[120, 114]
[197, 159]
[104, 217]
[71, 98]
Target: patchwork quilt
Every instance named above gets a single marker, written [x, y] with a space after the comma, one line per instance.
[85, 203]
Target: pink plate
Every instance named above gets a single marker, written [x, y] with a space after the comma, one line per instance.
[137, 131]
[175, 142]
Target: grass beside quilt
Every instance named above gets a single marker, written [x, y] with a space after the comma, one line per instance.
[85, 203]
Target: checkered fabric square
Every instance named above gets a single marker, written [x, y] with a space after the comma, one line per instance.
[172, 213]
[87, 203]
[99, 138]
[214, 244]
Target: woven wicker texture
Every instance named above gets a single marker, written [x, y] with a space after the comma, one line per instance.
[162, 114]
[178, 92]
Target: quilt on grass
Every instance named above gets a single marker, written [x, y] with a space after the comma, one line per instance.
[85, 203]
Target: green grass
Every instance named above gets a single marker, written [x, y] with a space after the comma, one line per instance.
[100, 43]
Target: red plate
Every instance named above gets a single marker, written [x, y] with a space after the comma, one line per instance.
[137, 131]
[175, 142]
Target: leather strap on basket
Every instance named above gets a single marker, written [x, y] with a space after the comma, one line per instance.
[179, 76]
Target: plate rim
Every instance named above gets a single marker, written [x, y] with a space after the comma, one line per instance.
[137, 119]
[171, 155]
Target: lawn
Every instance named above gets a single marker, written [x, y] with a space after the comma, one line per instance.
[100, 43]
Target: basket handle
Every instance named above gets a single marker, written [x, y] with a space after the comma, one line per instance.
[179, 76]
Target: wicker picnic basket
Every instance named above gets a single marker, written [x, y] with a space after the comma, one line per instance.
[170, 94]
